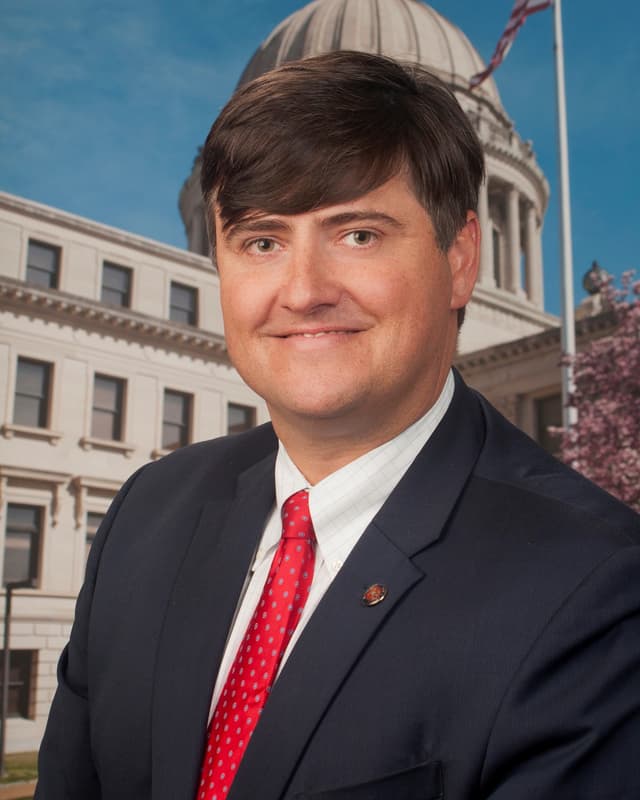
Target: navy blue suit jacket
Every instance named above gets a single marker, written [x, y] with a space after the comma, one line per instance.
[504, 662]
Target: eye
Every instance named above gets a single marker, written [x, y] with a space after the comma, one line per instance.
[262, 245]
[360, 238]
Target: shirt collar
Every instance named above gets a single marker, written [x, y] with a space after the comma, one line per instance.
[348, 499]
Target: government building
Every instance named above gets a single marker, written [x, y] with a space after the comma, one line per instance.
[112, 349]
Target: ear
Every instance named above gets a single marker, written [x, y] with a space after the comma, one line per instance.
[464, 259]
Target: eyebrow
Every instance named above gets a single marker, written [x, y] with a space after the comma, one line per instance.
[266, 224]
[255, 225]
[364, 215]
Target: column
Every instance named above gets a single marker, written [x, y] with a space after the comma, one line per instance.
[514, 282]
[533, 267]
[486, 277]
[540, 299]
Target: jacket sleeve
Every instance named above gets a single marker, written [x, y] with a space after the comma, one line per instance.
[66, 770]
[569, 725]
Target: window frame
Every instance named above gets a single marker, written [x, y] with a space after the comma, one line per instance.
[35, 533]
[118, 412]
[126, 271]
[54, 281]
[240, 428]
[184, 426]
[190, 314]
[44, 399]
[23, 707]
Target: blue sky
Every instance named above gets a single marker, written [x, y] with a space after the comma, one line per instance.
[103, 105]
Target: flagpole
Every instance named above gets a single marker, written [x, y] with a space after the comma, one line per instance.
[568, 332]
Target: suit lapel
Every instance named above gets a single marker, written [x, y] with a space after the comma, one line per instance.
[413, 518]
[418, 509]
[201, 609]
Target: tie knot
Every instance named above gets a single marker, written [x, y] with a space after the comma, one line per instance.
[296, 519]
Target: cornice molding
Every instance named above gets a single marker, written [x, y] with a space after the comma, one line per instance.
[121, 323]
[35, 476]
[96, 484]
[547, 341]
[508, 303]
[10, 429]
[64, 219]
[526, 166]
[82, 487]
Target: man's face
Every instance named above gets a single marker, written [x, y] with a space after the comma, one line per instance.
[345, 317]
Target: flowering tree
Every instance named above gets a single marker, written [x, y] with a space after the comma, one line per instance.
[604, 444]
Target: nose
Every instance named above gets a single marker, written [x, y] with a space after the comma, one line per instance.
[310, 281]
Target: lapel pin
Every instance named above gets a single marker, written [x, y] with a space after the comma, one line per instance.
[374, 594]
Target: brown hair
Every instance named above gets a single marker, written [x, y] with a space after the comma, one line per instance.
[328, 129]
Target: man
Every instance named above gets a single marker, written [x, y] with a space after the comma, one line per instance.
[466, 615]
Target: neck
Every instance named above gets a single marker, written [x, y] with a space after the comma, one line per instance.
[321, 446]
[318, 456]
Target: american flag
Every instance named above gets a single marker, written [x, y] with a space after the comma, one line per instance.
[521, 10]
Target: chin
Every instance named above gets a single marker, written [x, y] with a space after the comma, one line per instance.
[307, 410]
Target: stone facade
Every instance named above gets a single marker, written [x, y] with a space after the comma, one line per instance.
[59, 466]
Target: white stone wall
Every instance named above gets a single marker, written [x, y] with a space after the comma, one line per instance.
[60, 468]
[86, 244]
[47, 638]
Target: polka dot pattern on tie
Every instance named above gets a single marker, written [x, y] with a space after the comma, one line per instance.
[255, 666]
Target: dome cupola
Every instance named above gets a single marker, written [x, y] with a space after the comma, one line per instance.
[407, 30]
[508, 300]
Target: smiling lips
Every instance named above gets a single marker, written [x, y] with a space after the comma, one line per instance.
[316, 334]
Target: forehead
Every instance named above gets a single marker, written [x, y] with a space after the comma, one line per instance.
[392, 201]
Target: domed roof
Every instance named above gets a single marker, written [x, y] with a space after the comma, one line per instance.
[407, 30]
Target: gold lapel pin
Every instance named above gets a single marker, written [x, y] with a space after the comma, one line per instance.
[374, 594]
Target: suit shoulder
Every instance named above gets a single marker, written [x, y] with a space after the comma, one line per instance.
[243, 449]
[519, 468]
[215, 462]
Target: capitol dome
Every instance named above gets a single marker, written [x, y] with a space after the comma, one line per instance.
[508, 301]
[407, 30]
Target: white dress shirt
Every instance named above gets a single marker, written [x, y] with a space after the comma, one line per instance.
[341, 505]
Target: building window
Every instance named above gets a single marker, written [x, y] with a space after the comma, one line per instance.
[240, 418]
[31, 403]
[548, 412]
[183, 304]
[116, 285]
[22, 669]
[43, 264]
[94, 520]
[176, 419]
[22, 543]
[108, 405]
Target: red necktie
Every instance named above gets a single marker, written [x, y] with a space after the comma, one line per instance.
[255, 666]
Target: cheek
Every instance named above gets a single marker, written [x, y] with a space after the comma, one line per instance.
[386, 293]
[229, 312]
[243, 306]
[408, 298]
[420, 304]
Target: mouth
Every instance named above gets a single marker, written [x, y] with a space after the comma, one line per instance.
[315, 334]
